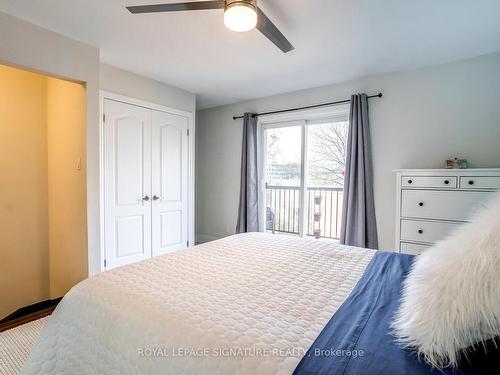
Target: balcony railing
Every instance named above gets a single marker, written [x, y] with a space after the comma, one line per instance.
[323, 210]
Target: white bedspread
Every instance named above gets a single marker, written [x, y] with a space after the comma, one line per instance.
[250, 303]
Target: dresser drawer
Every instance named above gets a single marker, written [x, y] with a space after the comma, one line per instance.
[411, 248]
[445, 182]
[443, 205]
[483, 182]
[426, 231]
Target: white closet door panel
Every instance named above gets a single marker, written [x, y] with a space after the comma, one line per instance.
[129, 160]
[171, 163]
[170, 182]
[171, 229]
[127, 183]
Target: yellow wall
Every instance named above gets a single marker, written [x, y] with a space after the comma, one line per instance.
[23, 190]
[66, 125]
[43, 216]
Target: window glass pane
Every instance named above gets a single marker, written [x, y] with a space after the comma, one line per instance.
[326, 152]
[283, 179]
[283, 156]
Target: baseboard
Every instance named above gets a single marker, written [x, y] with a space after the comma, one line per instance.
[24, 313]
[202, 238]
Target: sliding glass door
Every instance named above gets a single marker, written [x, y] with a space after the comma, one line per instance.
[303, 174]
[284, 178]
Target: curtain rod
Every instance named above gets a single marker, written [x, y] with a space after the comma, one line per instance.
[379, 95]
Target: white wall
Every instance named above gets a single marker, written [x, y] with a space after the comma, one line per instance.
[119, 81]
[424, 117]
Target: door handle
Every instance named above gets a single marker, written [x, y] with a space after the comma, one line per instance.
[155, 197]
[145, 198]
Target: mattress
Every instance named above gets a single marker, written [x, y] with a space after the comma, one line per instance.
[247, 304]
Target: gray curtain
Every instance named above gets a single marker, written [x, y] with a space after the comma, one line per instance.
[248, 212]
[359, 227]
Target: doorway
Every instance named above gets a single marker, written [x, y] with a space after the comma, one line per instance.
[147, 180]
[43, 216]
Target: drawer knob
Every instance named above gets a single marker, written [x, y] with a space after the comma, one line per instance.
[471, 182]
[446, 182]
[410, 181]
[420, 231]
[421, 204]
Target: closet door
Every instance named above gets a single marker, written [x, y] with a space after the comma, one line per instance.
[127, 183]
[170, 182]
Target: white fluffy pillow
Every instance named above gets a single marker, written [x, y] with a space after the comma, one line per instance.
[451, 297]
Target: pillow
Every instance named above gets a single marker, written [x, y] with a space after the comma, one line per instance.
[451, 297]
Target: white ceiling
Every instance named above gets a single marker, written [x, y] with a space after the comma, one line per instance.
[335, 40]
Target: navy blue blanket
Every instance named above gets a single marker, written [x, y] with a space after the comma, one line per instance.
[357, 338]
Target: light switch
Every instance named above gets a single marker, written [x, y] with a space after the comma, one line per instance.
[78, 164]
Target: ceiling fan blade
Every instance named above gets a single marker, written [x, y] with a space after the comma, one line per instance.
[176, 7]
[271, 32]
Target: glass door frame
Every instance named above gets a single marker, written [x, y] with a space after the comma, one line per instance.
[297, 118]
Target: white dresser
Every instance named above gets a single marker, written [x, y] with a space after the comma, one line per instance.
[431, 203]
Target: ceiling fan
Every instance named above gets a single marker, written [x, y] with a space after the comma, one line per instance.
[239, 15]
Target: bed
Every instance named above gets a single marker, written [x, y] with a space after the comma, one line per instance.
[248, 304]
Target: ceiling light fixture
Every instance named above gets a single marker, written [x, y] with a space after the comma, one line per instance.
[240, 15]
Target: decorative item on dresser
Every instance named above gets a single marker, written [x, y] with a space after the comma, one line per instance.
[431, 203]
